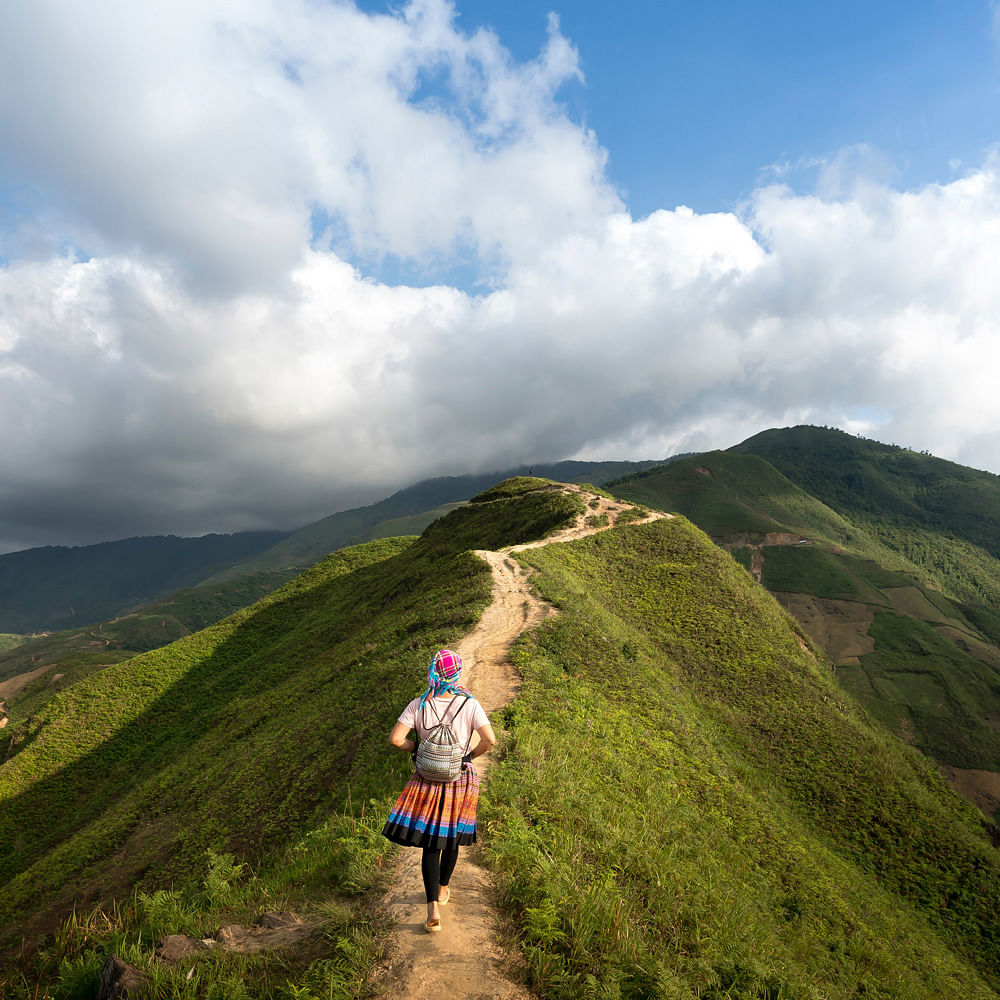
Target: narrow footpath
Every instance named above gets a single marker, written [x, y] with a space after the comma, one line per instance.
[465, 961]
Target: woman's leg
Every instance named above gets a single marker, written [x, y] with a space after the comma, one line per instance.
[449, 858]
[430, 868]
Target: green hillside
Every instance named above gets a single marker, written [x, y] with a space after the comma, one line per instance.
[684, 803]
[925, 665]
[56, 661]
[734, 496]
[408, 511]
[56, 587]
[245, 735]
[942, 516]
[689, 806]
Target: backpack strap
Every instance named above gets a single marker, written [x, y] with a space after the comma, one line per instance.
[455, 716]
[430, 701]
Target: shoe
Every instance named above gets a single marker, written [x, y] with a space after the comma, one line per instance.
[432, 926]
[447, 899]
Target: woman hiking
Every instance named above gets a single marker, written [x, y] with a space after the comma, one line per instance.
[439, 815]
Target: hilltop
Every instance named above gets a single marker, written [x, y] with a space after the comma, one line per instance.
[57, 588]
[684, 803]
[860, 542]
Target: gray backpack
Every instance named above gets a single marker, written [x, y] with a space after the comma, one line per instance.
[439, 755]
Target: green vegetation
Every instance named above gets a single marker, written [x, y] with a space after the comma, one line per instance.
[9, 641]
[636, 513]
[744, 556]
[986, 619]
[860, 506]
[961, 569]
[514, 487]
[687, 807]
[72, 654]
[734, 496]
[684, 804]
[58, 587]
[807, 570]
[921, 684]
[247, 735]
[327, 877]
[898, 492]
[408, 511]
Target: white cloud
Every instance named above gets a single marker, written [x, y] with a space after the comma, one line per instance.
[205, 364]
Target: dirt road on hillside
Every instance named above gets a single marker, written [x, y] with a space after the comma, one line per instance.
[465, 961]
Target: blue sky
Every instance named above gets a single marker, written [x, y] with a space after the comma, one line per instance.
[264, 259]
[693, 101]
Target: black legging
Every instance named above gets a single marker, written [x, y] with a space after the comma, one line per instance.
[436, 868]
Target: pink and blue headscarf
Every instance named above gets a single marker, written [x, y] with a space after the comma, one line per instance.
[443, 675]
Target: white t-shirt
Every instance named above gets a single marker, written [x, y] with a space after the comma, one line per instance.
[467, 718]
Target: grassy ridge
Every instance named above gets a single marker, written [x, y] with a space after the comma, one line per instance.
[942, 694]
[248, 734]
[687, 806]
[919, 505]
[407, 511]
[729, 494]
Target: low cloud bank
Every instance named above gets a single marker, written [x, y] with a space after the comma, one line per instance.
[191, 339]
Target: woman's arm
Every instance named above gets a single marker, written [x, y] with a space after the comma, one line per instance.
[487, 740]
[399, 737]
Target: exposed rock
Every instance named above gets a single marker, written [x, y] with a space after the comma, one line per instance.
[276, 930]
[119, 979]
[233, 937]
[176, 947]
[275, 920]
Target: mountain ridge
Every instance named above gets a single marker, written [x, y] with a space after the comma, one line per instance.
[903, 610]
[684, 803]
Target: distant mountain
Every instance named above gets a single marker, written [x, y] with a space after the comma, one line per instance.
[918, 505]
[898, 594]
[57, 587]
[408, 511]
[683, 803]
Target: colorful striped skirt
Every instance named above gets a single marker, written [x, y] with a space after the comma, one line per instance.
[439, 816]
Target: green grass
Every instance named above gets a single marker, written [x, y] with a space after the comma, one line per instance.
[248, 734]
[514, 487]
[943, 517]
[949, 697]
[744, 556]
[963, 570]
[9, 641]
[985, 619]
[327, 878]
[740, 497]
[687, 806]
[877, 522]
[805, 569]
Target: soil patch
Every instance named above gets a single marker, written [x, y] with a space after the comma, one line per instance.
[15, 685]
[838, 627]
[981, 788]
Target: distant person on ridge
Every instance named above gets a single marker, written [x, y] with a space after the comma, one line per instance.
[437, 808]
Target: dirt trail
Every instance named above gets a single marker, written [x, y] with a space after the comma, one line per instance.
[465, 960]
